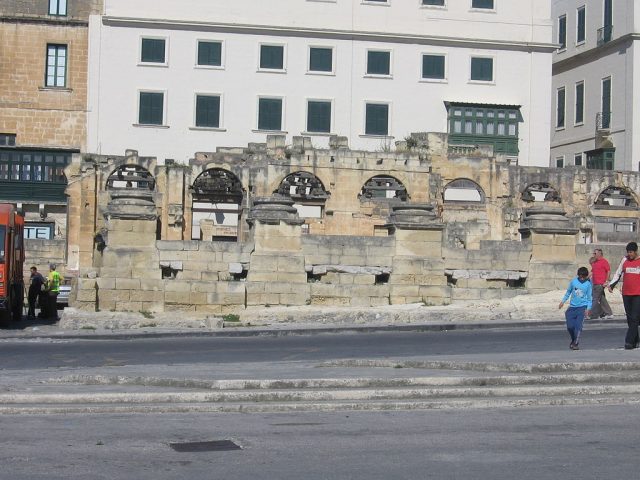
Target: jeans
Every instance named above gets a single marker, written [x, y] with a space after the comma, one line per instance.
[575, 320]
[632, 309]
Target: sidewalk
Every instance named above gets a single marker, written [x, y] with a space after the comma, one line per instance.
[525, 310]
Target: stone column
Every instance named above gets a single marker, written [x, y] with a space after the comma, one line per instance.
[552, 237]
[418, 265]
[277, 273]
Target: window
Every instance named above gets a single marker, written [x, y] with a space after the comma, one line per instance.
[272, 57]
[378, 62]
[210, 53]
[577, 159]
[562, 32]
[482, 69]
[270, 114]
[318, 116]
[580, 25]
[560, 162]
[560, 107]
[151, 108]
[376, 119]
[484, 4]
[606, 102]
[153, 50]
[433, 67]
[7, 139]
[579, 119]
[321, 59]
[56, 75]
[58, 7]
[439, 3]
[208, 111]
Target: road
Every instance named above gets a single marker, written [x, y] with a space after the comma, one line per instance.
[521, 343]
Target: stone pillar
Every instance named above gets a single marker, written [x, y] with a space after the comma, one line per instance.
[277, 273]
[130, 259]
[552, 237]
[418, 265]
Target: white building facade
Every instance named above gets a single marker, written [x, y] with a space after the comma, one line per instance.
[172, 78]
[594, 72]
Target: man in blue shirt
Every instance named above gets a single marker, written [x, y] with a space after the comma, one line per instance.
[580, 290]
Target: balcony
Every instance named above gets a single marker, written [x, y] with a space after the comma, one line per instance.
[603, 121]
[605, 34]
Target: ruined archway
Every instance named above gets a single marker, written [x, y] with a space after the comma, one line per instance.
[463, 190]
[615, 215]
[131, 177]
[383, 188]
[216, 205]
[307, 191]
[616, 197]
[540, 192]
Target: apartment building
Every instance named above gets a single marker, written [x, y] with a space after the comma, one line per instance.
[170, 80]
[594, 75]
[43, 101]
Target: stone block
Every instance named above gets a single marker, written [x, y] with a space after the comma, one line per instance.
[256, 288]
[263, 263]
[198, 298]
[418, 236]
[291, 264]
[213, 309]
[173, 256]
[175, 297]
[190, 275]
[177, 286]
[262, 277]
[210, 276]
[106, 283]
[150, 296]
[404, 290]
[364, 279]
[292, 277]
[329, 301]
[229, 298]
[465, 294]
[179, 308]
[117, 296]
[153, 284]
[86, 296]
[128, 306]
[85, 284]
[260, 299]
[300, 298]
[127, 284]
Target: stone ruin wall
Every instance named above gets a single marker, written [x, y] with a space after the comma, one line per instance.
[132, 248]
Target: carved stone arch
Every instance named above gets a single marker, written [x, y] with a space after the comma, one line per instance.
[616, 197]
[463, 190]
[216, 205]
[383, 188]
[303, 186]
[130, 177]
[541, 192]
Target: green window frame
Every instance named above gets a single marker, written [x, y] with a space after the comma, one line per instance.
[58, 7]
[581, 24]
[376, 119]
[482, 69]
[151, 108]
[208, 111]
[496, 125]
[321, 59]
[209, 53]
[482, 4]
[33, 175]
[56, 68]
[433, 67]
[579, 112]
[272, 57]
[378, 62]
[270, 114]
[318, 116]
[436, 3]
[153, 50]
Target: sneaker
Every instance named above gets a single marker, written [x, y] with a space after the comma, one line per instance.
[574, 346]
[629, 346]
[607, 317]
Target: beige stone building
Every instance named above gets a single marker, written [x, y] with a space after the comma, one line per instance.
[43, 110]
[277, 224]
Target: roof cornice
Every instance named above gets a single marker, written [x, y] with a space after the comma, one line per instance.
[593, 53]
[391, 37]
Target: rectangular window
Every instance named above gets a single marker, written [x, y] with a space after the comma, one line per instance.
[580, 25]
[320, 59]
[482, 69]
[153, 50]
[318, 116]
[272, 57]
[376, 119]
[488, 4]
[56, 75]
[8, 139]
[579, 103]
[559, 162]
[560, 107]
[433, 66]
[562, 32]
[58, 7]
[577, 159]
[606, 102]
[210, 53]
[270, 114]
[151, 109]
[439, 3]
[378, 63]
[208, 111]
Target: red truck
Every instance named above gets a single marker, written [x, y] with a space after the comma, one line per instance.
[11, 264]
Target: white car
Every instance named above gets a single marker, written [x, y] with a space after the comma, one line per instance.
[63, 296]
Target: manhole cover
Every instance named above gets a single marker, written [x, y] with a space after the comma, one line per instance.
[212, 446]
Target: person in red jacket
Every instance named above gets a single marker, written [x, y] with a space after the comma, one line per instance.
[630, 294]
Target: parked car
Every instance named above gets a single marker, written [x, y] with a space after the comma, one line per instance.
[65, 290]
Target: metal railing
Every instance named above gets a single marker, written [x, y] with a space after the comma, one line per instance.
[603, 121]
[605, 34]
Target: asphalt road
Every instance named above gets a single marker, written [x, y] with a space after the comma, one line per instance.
[42, 353]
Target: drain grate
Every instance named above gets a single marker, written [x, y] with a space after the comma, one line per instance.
[211, 446]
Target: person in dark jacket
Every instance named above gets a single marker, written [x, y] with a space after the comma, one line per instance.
[35, 290]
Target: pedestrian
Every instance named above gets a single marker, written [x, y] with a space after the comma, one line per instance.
[600, 275]
[580, 291]
[630, 275]
[36, 281]
[54, 280]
